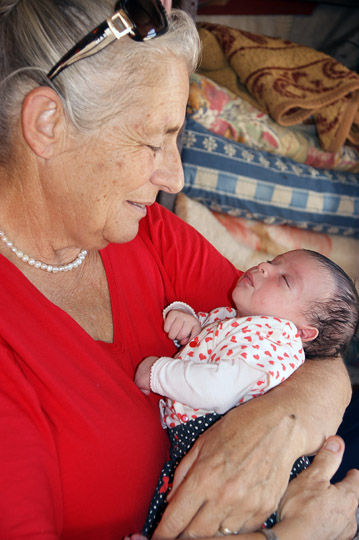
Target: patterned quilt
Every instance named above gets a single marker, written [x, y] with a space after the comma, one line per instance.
[287, 80]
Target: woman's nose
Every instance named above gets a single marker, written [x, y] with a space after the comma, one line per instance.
[169, 175]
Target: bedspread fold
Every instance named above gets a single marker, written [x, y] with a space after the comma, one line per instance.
[289, 81]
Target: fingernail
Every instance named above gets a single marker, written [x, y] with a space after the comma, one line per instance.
[332, 445]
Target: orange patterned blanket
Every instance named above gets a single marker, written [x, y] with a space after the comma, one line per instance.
[289, 81]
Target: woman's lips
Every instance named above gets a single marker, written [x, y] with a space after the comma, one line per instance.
[140, 207]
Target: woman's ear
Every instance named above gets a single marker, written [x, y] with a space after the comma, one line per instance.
[42, 118]
[308, 333]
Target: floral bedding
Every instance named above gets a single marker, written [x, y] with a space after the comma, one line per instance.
[219, 110]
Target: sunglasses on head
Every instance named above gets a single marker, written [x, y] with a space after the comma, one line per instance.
[141, 20]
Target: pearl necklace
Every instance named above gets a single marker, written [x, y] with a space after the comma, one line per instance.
[41, 265]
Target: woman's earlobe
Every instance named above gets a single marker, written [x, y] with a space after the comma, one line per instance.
[308, 333]
[41, 118]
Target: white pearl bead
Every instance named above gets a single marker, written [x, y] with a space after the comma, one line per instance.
[41, 265]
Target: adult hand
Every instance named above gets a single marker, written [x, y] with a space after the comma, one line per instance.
[314, 508]
[230, 480]
[237, 472]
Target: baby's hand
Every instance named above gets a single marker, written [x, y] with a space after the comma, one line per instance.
[181, 325]
[143, 372]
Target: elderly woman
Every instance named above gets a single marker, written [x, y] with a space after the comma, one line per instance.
[93, 97]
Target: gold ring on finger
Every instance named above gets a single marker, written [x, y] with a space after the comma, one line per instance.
[224, 531]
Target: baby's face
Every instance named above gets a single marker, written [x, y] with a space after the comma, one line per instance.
[284, 287]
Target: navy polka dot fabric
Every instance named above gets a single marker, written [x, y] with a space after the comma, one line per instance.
[182, 438]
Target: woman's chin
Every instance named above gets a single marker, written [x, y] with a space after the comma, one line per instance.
[123, 235]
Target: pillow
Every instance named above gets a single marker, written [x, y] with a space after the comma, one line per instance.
[229, 177]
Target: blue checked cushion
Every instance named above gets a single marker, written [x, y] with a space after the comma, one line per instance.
[229, 177]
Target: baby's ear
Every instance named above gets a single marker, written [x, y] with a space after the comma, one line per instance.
[308, 333]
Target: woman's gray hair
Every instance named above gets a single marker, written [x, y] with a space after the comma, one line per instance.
[35, 34]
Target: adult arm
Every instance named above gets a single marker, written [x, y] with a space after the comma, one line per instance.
[312, 507]
[238, 470]
[240, 467]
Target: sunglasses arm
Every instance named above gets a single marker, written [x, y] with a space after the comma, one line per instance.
[94, 42]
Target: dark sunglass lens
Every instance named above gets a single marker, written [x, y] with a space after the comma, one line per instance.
[148, 17]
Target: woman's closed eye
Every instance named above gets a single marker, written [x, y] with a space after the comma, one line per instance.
[155, 149]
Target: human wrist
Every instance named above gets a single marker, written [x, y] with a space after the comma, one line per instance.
[150, 373]
[283, 530]
[269, 534]
[158, 378]
[278, 532]
[179, 306]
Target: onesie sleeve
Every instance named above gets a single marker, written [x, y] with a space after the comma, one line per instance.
[214, 387]
[254, 356]
[180, 306]
[217, 314]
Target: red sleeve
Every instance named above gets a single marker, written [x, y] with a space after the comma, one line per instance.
[199, 274]
[29, 460]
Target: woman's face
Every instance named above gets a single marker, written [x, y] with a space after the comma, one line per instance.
[115, 176]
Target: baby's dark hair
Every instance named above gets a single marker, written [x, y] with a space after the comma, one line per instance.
[336, 319]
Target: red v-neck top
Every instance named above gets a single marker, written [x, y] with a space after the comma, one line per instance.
[80, 446]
